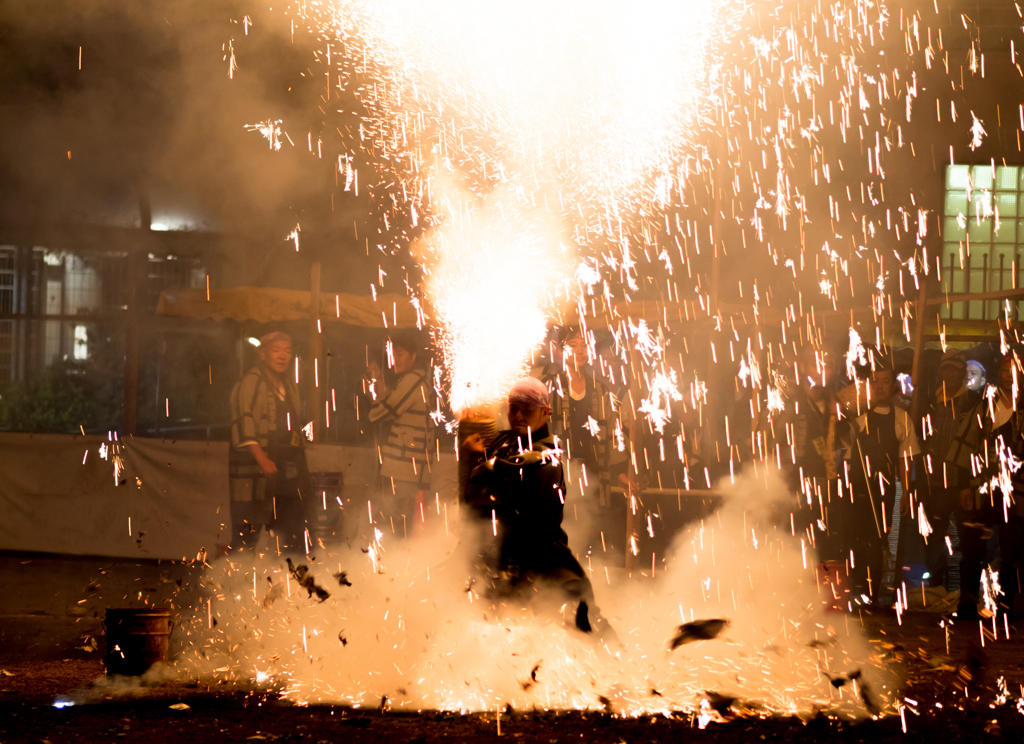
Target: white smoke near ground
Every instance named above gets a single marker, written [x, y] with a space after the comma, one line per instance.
[412, 629]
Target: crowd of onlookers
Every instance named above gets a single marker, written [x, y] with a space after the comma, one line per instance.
[859, 448]
[948, 457]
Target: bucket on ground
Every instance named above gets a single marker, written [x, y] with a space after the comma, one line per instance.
[326, 515]
[136, 639]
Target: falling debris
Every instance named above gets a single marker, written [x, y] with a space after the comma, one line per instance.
[582, 617]
[342, 579]
[306, 580]
[699, 630]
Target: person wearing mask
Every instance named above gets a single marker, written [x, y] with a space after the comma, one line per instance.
[943, 419]
[404, 448]
[976, 379]
[267, 465]
[883, 447]
[991, 437]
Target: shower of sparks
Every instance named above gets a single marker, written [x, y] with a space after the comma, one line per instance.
[492, 274]
[619, 166]
[977, 132]
[521, 143]
[271, 130]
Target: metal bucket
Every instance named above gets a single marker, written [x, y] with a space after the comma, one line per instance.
[136, 639]
[327, 516]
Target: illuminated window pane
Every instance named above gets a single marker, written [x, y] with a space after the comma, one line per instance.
[1007, 232]
[951, 230]
[81, 350]
[981, 175]
[1006, 204]
[956, 177]
[956, 203]
[979, 233]
[981, 204]
[1006, 178]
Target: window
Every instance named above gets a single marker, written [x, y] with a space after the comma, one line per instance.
[983, 236]
[7, 263]
[81, 349]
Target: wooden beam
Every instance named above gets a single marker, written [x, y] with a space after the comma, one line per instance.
[1000, 294]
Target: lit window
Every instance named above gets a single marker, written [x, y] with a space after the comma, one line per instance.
[982, 235]
[81, 342]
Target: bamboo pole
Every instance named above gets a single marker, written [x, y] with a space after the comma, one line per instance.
[315, 350]
[915, 370]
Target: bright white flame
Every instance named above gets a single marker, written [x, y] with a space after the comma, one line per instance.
[855, 355]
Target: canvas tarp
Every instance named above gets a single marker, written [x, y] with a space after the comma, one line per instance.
[267, 305]
[57, 494]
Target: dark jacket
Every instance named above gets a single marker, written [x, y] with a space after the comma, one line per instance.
[522, 490]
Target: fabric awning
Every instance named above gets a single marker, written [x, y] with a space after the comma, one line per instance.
[267, 305]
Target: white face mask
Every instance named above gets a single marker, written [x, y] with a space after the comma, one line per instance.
[975, 378]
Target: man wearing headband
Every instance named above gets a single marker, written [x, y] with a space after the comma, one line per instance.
[267, 464]
[516, 489]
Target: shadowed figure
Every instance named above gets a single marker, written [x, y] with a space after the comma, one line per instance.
[516, 491]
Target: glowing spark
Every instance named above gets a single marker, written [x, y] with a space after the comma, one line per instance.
[294, 235]
[271, 129]
[856, 354]
[923, 525]
[977, 132]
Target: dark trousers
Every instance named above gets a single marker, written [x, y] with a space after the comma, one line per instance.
[278, 502]
[1011, 544]
[975, 528]
[940, 506]
[865, 531]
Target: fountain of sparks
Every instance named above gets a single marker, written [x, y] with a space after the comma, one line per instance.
[519, 130]
[524, 137]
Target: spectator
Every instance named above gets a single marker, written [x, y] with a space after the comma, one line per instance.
[944, 417]
[812, 413]
[584, 420]
[404, 447]
[975, 376]
[267, 465]
[989, 435]
[884, 444]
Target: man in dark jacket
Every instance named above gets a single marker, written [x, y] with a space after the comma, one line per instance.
[990, 445]
[952, 404]
[516, 489]
[885, 444]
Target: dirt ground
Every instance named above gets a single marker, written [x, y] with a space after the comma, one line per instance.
[950, 697]
[50, 608]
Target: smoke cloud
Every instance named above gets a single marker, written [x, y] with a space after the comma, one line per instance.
[411, 628]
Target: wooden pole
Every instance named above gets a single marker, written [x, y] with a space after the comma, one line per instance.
[915, 371]
[635, 442]
[315, 351]
[130, 413]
